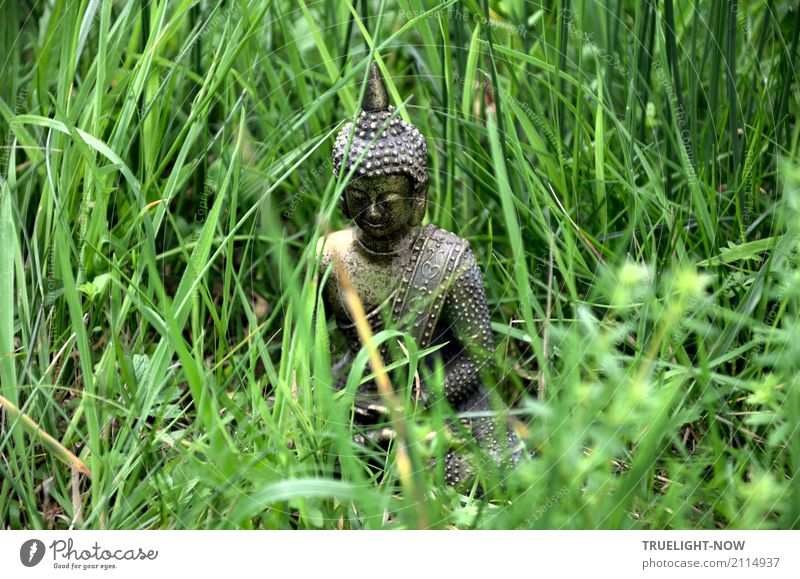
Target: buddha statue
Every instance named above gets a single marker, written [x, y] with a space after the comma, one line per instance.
[417, 278]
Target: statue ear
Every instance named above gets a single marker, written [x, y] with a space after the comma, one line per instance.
[420, 204]
[343, 206]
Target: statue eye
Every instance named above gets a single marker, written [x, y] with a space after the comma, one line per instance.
[394, 198]
[358, 193]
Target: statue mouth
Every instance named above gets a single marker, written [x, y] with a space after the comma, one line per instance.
[375, 225]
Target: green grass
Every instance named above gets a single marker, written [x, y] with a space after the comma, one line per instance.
[629, 181]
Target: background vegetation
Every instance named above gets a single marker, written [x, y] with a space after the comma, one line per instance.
[626, 172]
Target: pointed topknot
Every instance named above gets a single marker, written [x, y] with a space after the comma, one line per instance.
[389, 146]
[375, 98]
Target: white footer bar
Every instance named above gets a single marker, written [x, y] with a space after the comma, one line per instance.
[407, 554]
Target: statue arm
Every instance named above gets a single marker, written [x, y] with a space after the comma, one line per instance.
[341, 359]
[467, 316]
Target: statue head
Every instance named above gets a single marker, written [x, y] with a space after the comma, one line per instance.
[389, 190]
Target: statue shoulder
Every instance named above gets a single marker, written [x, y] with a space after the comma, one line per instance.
[439, 235]
[443, 236]
[334, 244]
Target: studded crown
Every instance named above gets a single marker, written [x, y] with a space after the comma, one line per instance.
[398, 146]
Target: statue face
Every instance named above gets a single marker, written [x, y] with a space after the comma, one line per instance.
[382, 205]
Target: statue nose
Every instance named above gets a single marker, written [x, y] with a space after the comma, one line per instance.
[374, 211]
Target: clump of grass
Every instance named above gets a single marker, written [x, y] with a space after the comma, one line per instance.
[627, 175]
